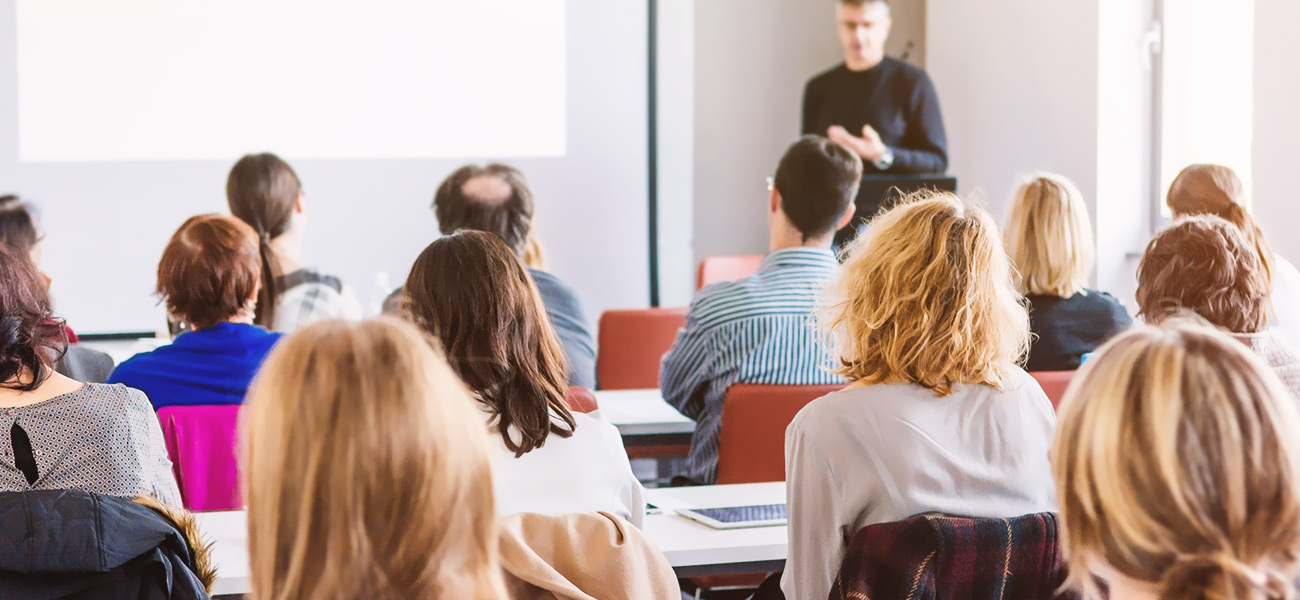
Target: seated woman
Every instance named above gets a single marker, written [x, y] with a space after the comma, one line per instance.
[937, 417]
[1216, 190]
[208, 278]
[1185, 415]
[1049, 241]
[61, 433]
[264, 192]
[471, 292]
[360, 441]
[1207, 266]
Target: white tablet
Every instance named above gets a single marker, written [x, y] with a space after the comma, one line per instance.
[737, 517]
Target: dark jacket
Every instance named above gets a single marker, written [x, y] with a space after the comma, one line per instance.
[935, 558]
[79, 546]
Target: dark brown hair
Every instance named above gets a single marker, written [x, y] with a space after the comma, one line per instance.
[1216, 190]
[474, 295]
[509, 218]
[209, 270]
[1206, 265]
[17, 224]
[262, 191]
[31, 339]
[818, 179]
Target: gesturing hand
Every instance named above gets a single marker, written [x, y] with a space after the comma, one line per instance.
[869, 146]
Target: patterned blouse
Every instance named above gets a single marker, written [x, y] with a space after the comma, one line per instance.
[103, 439]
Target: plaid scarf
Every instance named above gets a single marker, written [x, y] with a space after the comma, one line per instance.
[949, 558]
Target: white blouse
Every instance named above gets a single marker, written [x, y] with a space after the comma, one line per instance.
[587, 472]
[1284, 314]
[883, 453]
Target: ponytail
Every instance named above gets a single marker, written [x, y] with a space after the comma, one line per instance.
[269, 294]
[1222, 577]
[1237, 215]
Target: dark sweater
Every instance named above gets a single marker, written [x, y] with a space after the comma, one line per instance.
[894, 98]
[1067, 328]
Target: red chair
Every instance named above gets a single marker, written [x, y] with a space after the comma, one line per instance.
[726, 268]
[751, 443]
[581, 399]
[633, 343]
[201, 444]
[1054, 384]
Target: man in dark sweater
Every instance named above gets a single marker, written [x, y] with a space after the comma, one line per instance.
[882, 108]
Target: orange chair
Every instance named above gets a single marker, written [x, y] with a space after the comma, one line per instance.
[580, 399]
[1054, 384]
[726, 268]
[751, 444]
[633, 343]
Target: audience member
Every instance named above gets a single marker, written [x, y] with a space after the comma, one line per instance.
[1176, 467]
[65, 434]
[471, 292]
[18, 231]
[1049, 240]
[367, 471]
[938, 418]
[264, 192]
[208, 278]
[760, 329]
[1216, 190]
[496, 199]
[1206, 265]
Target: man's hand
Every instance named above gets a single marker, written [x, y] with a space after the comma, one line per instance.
[869, 146]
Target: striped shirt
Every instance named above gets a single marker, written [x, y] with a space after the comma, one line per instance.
[755, 330]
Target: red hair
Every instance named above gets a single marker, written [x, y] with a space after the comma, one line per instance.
[210, 270]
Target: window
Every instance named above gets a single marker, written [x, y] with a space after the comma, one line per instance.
[1205, 87]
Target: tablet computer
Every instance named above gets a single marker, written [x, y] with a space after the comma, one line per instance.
[737, 517]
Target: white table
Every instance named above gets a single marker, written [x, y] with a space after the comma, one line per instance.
[692, 549]
[696, 549]
[643, 418]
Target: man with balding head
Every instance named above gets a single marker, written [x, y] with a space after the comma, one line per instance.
[495, 198]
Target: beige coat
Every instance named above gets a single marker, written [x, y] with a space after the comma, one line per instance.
[584, 556]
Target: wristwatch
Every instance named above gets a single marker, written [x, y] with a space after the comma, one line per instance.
[886, 160]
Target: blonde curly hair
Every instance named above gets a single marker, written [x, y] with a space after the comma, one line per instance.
[926, 297]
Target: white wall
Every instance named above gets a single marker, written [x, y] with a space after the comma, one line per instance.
[1031, 86]
[1277, 123]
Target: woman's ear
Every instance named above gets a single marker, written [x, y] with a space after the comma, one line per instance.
[300, 205]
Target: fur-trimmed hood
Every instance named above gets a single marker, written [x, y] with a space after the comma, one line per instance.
[73, 544]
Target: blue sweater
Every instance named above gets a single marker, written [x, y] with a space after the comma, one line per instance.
[209, 366]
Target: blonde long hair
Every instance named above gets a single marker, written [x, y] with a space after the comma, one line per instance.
[1177, 465]
[925, 297]
[1049, 237]
[366, 471]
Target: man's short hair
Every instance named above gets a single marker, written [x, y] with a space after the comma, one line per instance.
[1206, 265]
[818, 180]
[509, 217]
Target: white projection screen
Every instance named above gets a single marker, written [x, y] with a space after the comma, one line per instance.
[120, 119]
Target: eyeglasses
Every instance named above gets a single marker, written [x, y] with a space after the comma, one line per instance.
[771, 183]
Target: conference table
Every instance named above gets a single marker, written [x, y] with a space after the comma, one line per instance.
[691, 548]
[644, 418]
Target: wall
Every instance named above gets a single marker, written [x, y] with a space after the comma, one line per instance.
[752, 59]
[1032, 86]
[1277, 123]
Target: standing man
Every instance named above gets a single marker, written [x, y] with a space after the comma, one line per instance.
[881, 108]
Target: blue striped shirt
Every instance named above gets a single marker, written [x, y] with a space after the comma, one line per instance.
[755, 330]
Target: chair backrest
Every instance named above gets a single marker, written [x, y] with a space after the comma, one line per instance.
[1054, 384]
[581, 399]
[726, 268]
[939, 558]
[633, 344]
[751, 444]
[201, 444]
